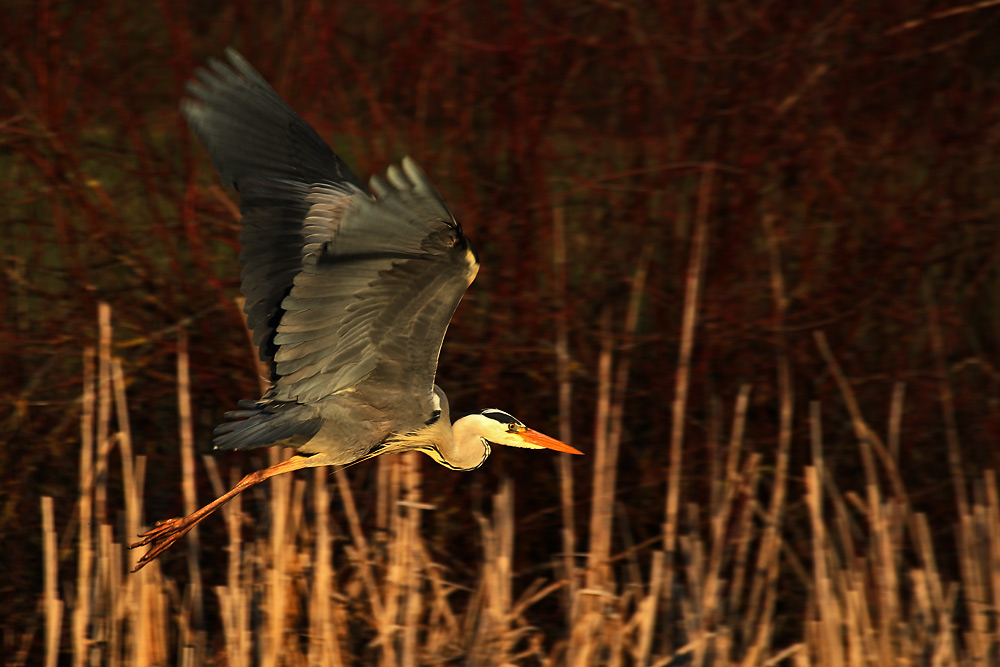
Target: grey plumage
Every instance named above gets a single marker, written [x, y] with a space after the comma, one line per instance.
[349, 293]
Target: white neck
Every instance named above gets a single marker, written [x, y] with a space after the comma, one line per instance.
[467, 449]
[459, 445]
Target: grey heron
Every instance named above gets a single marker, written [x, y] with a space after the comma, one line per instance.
[348, 295]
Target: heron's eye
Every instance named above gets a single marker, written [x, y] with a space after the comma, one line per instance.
[512, 427]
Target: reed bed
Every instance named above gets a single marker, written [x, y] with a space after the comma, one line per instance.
[309, 587]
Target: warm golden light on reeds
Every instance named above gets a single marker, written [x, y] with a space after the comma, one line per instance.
[302, 593]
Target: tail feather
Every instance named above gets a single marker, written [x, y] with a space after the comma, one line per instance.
[262, 424]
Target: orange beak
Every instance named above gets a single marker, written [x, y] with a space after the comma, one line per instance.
[542, 440]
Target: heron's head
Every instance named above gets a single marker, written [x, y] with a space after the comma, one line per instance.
[473, 435]
[501, 428]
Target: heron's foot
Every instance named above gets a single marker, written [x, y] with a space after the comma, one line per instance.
[161, 536]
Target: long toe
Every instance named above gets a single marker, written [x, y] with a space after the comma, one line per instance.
[160, 538]
[157, 532]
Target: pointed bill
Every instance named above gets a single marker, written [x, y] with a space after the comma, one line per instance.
[537, 439]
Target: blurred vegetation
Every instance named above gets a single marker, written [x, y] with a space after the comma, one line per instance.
[868, 133]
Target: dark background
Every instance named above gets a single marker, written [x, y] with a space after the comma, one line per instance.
[869, 143]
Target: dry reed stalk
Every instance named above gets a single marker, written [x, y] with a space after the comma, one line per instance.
[798, 651]
[742, 531]
[608, 427]
[99, 612]
[614, 638]
[692, 617]
[234, 596]
[973, 589]
[887, 535]
[761, 632]
[104, 403]
[978, 544]
[226, 612]
[410, 617]
[863, 645]
[947, 651]
[151, 634]
[52, 604]
[186, 437]
[584, 644]
[503, 561]
[771, 540]
[884, 547]
[646, 611]
[383, 503]
[992, 558]
[277, 575]
[758, 617]
[443, 627]
[583, 611]
[692, 300]
[494, 637]
[324, 646]
[935, 589]
[888, 581]
[828, 610]
[858, 624]
[132, 497]
[724, 642]
[121, 600]
[565, 382]
[296, 522]
[600, 510]
[394, 580]
[361, 551]
[108, 582]
[721, 517]
[679, 656]
[151, 646]
[85, 552]
[867, 436]
[140, 595]
[472, 620]
[842, 518]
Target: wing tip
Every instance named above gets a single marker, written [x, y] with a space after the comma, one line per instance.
[406, 176]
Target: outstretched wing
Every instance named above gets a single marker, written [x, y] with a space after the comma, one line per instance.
[276, 161]
[372, 304]
[342, 289]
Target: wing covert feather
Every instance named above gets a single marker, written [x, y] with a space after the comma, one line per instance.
[345, 291]
[279, 165]
[374, 302]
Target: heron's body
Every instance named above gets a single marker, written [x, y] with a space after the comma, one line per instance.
[354, 427]
[348, 291]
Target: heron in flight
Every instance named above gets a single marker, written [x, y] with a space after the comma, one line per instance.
[348, 294]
